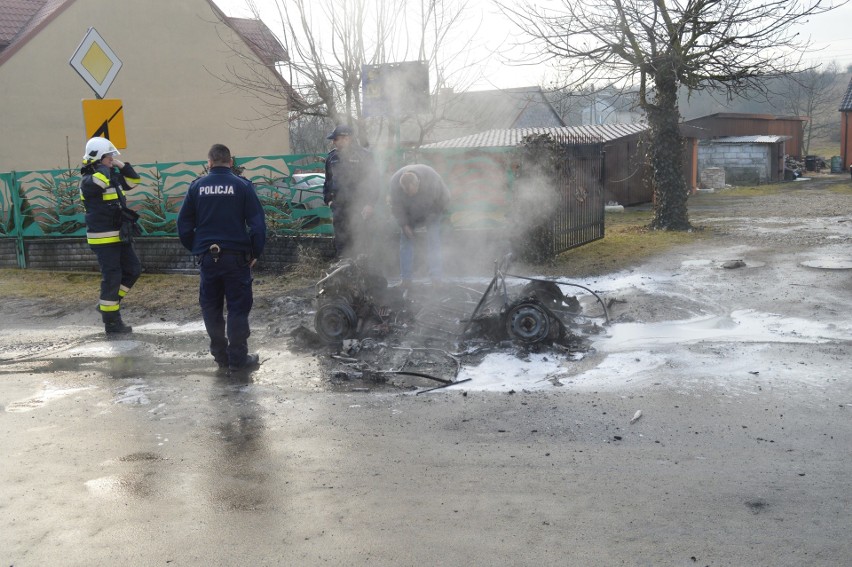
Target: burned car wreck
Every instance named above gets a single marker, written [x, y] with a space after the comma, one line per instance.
[369, 325]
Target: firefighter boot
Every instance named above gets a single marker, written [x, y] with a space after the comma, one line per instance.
[113, 325]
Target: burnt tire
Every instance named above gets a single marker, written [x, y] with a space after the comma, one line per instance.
[335, 321]
[527, 323]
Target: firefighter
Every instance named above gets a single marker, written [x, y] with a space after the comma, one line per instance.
[223, 224]
[110, 226]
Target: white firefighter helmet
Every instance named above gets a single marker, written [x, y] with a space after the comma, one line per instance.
[97, 148]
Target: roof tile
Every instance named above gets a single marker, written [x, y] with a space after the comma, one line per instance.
[756, 139]
[15, 15]
[510, 137]
[847, 99]
[258, 35]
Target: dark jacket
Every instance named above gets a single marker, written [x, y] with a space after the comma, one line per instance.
[222, 208]
[351, 177]
[429, 203]
[102, 192]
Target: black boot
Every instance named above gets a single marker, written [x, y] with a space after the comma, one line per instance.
[118, 328]
[113, 325]
[252, 361]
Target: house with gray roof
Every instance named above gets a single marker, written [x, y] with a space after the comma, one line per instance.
[176, 82]
[459, 114]
[625, 174]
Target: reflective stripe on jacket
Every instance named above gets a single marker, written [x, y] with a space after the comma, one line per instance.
[102, 192]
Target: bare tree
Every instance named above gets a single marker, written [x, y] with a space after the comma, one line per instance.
[307, 134]
[658, 46]
[328, 42]
[812, 93]
[590, 105]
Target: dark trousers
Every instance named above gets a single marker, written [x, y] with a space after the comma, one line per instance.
[342, 224]
[352, 234]
[226, 281]
[120, 268]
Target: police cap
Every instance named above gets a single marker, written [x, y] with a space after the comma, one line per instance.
[341, 130]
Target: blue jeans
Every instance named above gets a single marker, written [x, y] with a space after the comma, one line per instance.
[229, 280]
[433, 253]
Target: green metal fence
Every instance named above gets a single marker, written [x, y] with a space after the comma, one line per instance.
[483, 183]
[47, 203]
[35, 204]
[547, 193]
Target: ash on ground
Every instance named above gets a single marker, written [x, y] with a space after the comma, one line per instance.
[374, 336]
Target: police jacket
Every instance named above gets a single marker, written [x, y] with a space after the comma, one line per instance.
[102, 192]
[351, 177]
[222, 208]
[427, 205]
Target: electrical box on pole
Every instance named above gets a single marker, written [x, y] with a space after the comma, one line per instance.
[395, 90]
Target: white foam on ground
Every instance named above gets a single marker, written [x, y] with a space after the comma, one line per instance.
[191, 327]
[137, 394]
[501, 372]
[740, 326]
[103, 348]
[38, 400]
[630, 353]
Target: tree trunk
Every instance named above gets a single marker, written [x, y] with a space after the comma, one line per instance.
[670, 191]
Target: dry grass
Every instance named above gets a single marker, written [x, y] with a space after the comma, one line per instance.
[628, 242]
[39, 284]
[311, 264]
[156, 291]
[159, 293]
[844, 188]
[836, 183]
[824, 149]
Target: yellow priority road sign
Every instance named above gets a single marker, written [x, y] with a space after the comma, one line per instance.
[95, 62]
[105, 118]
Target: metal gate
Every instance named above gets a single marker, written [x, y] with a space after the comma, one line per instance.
[570, 171]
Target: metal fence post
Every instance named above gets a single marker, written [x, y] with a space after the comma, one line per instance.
[17, 213]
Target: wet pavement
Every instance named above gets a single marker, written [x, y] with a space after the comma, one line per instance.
[138, 451]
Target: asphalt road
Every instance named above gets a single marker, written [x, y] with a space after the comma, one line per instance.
[136, 452]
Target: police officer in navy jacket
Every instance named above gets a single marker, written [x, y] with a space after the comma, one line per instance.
[222, 223]
[350, 189]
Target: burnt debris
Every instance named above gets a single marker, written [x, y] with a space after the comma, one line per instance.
[403, 336]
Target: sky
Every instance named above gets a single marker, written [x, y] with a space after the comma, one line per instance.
[830, 33]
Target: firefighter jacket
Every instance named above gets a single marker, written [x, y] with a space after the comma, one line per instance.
[102, 192]
[351, 177]
[222, 208]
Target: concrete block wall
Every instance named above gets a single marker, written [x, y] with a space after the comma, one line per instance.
[281, 252]
[59, 254]
[8, 255]
[465, 253]
[743, 163]
[158, 255]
